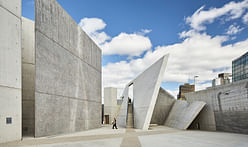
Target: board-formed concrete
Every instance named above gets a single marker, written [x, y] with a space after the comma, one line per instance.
[227, 107]
[183, 113]
[10, 70]
[162, 107]
[67, 73]
[28, 69]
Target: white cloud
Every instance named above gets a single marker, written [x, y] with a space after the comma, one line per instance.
[232, 10]
[93, 26]
[127, 44]
[234, 29]
[245, 18]
[133, 44]
[196, 55]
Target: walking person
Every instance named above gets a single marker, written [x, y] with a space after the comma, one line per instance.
[114, 124]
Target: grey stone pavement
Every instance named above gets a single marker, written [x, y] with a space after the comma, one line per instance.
[159, 136]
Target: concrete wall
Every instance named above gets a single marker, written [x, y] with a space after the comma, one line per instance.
[10, 70]
[67, 73]
[122, 116]
[228, 104]
[145, 92]
[183, 113]
[162, 107]
[110, 102]
[28, 69]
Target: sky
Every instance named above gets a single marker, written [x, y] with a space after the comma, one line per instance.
[202, 37]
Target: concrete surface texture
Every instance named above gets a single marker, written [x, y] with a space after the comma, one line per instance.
[67, 73]
[183, 113]
[28, 74]
[10, 70]
[158, 136]
[162, 107]
[110, 103]
[122, 116]
[227, 106]
[145, 92]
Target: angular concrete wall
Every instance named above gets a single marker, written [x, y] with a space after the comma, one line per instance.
[67, 73]
[162, 107]
[145, 92]
[10, 70]
[28, 74]
[183, 113]
[122, 116]
[228, 105]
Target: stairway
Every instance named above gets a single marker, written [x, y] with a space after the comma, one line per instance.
[130, 116]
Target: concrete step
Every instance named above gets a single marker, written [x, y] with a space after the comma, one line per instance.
[130, 116]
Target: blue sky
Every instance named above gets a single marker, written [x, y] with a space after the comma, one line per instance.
[201, 36]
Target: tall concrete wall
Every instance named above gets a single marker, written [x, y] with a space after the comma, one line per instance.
[10, 70]
[28, 69]
[67, 73]
[122, 116]
[162, 107]
[183, 113]
[228, 104]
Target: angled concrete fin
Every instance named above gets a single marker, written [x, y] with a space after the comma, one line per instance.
[183, 113]
[122, 117]
[145, 90]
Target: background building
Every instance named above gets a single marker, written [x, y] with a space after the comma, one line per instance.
[185, 89]
[223, 78]
[240, 68]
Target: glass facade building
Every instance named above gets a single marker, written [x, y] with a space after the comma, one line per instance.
[240, 68]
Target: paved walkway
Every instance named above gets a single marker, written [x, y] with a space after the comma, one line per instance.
[158, 136]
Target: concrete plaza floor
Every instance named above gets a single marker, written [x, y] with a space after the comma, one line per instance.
[159, 136]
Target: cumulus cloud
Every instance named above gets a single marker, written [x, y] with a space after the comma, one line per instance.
[133, 44]
[245, 18]
[93, 26]
[231, 10]
[196, 55]
[127, 44]
[234, 29]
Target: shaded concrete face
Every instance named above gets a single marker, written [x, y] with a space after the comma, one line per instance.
[28, 69]
[122, 116]
[67, 73]
[162, 107]
[228, 105]
[183, 113]
[10, 70]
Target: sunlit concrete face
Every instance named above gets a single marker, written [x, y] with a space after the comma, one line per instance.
[145, 92]
[67, 73]
[10, 70]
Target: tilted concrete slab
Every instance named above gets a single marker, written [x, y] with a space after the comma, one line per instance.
[122, 117]
[145, 92]
[67, 73]
[162, 107]
[183, 113]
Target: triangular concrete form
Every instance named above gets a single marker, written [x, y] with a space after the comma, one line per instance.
[183, 114]
[145, 92]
